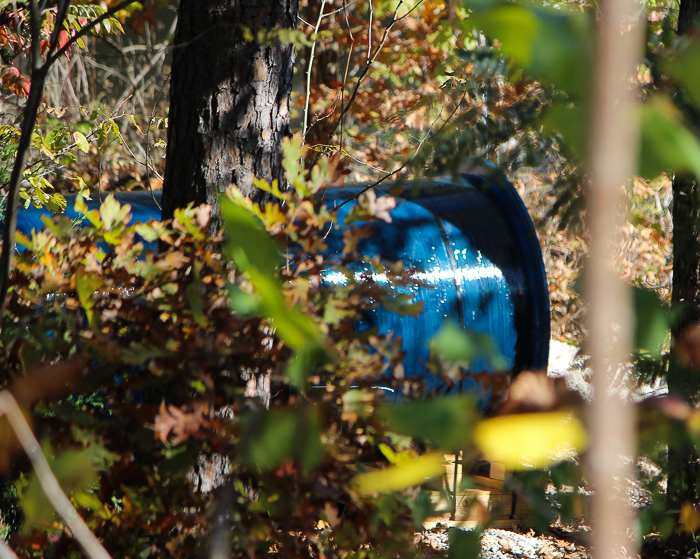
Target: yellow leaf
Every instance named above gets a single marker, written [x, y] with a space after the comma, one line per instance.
[405, 474]
[531, 440]
[689, 519]
[81, 142]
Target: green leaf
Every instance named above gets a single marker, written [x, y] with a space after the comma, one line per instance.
[56, 203]
[453, 344]
[444, 422]
[516, 27]
[247, 242]
[423, 508]
[401, 304]
[81, 141]
[113, 213]
[461, 347]
[271, 437]
[683, 67]
[76, 472]
[464, 544]
[241, 302]
[86, 284]
[305, 361]
[667, 144]
[652, 322]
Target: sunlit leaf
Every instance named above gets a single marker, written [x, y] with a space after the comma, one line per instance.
[533, 440]
[86, 284]
[81, 142]
[56, 203]
[407, 473]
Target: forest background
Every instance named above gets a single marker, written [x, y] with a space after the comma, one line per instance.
[382, 90]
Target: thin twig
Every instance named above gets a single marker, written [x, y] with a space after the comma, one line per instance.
[90, 544]
[369, 31]
[405, 163]
[395, 19]
[308, 71]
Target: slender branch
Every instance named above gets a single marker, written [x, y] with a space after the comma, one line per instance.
[30, 112]
[86, 29]
[90, 544]
[369, 31]
[35, 33]
[394, 20]
[405, 163]
[308, 71]
[61, 13]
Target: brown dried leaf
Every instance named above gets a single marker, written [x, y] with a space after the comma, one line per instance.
[175, 421]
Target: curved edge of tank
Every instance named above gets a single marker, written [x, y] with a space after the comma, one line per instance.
[504, 192]
[532, 351]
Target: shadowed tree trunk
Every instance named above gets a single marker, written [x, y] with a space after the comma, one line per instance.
[229, 100]
[684, 468]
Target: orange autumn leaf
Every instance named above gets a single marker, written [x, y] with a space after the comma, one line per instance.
[181, 424]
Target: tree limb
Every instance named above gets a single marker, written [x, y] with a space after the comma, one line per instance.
[31, 110]
[90, 544]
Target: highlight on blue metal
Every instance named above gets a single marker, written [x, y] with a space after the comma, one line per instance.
[469, 239]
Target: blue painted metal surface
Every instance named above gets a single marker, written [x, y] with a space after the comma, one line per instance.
[144, 206]
[470, 239]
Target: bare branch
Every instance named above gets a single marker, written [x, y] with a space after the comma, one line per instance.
[90, 544]
[346, 109]
[308, 71]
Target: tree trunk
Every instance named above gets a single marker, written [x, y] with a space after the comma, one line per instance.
[229, 101]
[683, 466]
[682, 458]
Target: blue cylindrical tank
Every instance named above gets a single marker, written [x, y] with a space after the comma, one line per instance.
[469, 239]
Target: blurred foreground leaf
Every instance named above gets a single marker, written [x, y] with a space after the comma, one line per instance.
[652, 322]
[76, 472]
[461, 347]
[531, 440]
[683, 67]
[272, 437]
[667, 144]
[445, 422]
[405, 473]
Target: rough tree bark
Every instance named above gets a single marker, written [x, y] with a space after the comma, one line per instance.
[229, 100]
[684, 468]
